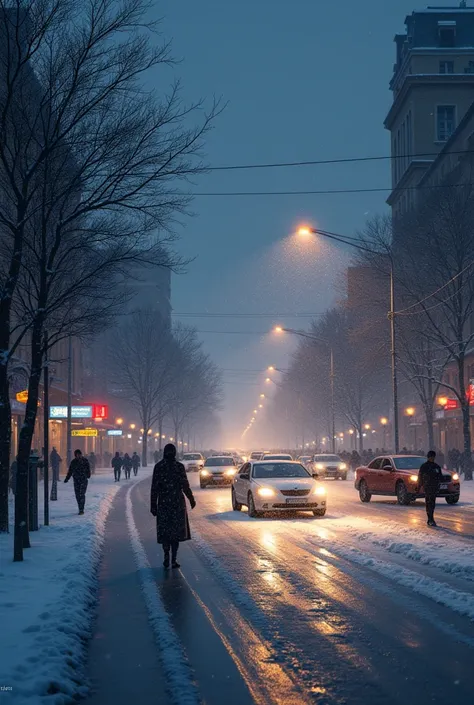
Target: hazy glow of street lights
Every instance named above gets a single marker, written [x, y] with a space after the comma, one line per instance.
[443, 401]
[133, 426]
[119, 421]
[384, 421]
[278, 329]
[270, 369]
[304, 231]
[410, 411]
[260, 406]
[262, 396]
[367, 426]
[268, 380]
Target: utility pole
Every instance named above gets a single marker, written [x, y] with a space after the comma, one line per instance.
[69, 404]
[333, 404]
[396, 432]
[46, 431]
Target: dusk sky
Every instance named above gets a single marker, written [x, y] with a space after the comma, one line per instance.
[303, 81]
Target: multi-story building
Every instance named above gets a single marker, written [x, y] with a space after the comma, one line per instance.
[433, 90]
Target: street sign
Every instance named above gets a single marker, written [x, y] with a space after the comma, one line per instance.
[84, 432]
[115, 432]
[77, 412]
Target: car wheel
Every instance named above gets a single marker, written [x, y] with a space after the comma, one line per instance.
[235, 505]
[452, 499]
[403, 497]
[319, 512]
[203, 486]
[344, 477]
[251, 505]
[364, 493]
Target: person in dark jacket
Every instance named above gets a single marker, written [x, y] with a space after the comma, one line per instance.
[429, 477]
[80, 472]
[135, 463]
[55, 459]
[92, 461]
[117, 463]
[127, 465]
[168, 489]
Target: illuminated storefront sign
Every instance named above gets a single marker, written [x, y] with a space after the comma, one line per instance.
[84, 432]
[115, 432]
[77, 412]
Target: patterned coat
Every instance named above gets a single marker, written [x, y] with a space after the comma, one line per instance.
[168, 488]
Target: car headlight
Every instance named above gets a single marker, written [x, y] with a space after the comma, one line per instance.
[319, 466]
[455, 477]
[230, 473]
[205, 473]
[413, 478]
[320, 491]
[343, 466]
[265, 492]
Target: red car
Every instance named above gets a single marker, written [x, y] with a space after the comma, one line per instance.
[397, 476]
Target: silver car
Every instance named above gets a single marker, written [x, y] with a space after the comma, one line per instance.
[218, 470]
[328, 467]
[277, 486]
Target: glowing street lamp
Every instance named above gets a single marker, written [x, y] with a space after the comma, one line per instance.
[443, 401]
[260, 406]
[262, 396]
[268, 380]
[367, 426]
[119, 421]
[278, 329]
[270, 369]
[305, 231]
[410, 411]
[132, 426]
[384, 422]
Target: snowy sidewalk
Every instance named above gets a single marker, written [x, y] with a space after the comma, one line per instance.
[47, 602]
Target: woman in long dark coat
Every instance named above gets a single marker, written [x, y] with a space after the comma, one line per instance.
[168, 488]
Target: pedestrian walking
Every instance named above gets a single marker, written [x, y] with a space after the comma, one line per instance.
[92, 461]
[127, 466]
[167, 503]
[135, 463]
[429, 478]
[117, 463]
[55, 460]
[80, 472]
[156, 456]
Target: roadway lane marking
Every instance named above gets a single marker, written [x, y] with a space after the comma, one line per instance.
[180, 681]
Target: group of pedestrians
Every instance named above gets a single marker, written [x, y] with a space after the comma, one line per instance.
[127, 463]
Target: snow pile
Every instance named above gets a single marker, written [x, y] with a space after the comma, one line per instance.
[175, 664]
[47, 602]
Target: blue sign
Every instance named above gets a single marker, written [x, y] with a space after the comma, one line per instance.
[77, 412]
[115, 432]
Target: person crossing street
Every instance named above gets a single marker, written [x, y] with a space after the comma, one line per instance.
[429, 478]
[80, 472]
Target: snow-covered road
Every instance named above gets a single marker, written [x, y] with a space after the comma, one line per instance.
[364, 606]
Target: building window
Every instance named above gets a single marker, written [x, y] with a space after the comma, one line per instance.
[447, 36]
[446, 66]
[445, 122]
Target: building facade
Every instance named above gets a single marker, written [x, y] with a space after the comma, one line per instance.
[433, 89]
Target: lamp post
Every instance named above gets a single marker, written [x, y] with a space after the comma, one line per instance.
[384, 422]
[410, 413]
[303, 334]
[353, 242]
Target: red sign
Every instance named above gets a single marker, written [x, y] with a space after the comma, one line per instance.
[451, 404]
[100, 411]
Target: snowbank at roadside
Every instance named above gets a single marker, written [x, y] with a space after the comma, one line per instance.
[47, 602]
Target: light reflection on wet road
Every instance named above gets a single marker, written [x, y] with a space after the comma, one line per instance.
[294, 607]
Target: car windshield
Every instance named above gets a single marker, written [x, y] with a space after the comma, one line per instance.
[191, 456]
[216, 462]
[409, 462]
[268, 470]
[277, 457]
[256, 456]
[327, 459]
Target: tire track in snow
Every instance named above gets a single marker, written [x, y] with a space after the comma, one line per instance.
[181, 686]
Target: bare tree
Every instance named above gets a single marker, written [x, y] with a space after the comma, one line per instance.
[85, 155]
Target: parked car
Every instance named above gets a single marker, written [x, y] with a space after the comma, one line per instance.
[397, 476]
[329, 466]
[193, 462]
[218, 470]
[277, 486]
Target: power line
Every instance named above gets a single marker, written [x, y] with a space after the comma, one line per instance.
[417, 303]
[328, 192]
[343, 160]
[247, 315]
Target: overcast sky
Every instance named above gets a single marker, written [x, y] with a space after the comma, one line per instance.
[303, 80]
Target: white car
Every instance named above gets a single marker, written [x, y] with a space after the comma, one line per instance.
[218, 470]
[277, 456]
[328, 466]
[277, 486]
[193, 462]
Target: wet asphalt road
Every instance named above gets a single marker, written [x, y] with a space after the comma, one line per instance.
[317, 610]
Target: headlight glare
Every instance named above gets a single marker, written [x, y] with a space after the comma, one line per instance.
[320, 491]
[265, 492]
[230, 473]
[455, 477]
[414, 478]
[205, 473]
[319, 466]
[343, 466]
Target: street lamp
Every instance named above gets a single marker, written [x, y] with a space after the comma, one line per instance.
[304, 231]
[132, 426]
[384, 422]
[119, 422]
[410, 413]
[262, 396]
[367, 426]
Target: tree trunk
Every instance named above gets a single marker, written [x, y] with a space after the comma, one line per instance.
[145, 448]
[25, 441]
[160, 440]
[466, 428]
[428, 408]
[5, 442]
